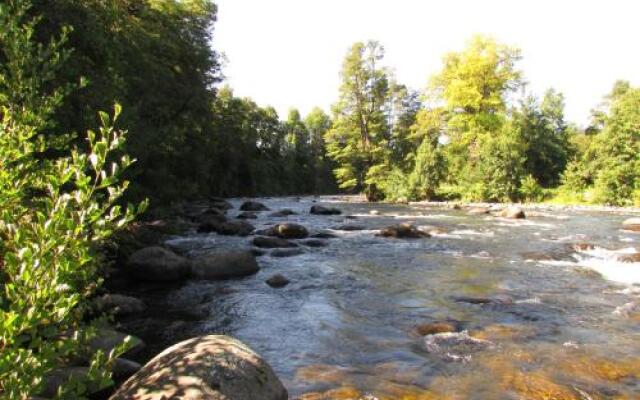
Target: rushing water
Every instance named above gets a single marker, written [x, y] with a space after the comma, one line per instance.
[533, 319]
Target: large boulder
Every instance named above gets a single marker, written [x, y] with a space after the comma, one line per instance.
[269, 242]
[403, 231]
[253, 206]
[224, 265]
[631, 224]
[119, 304]
[156, 263]
[210, 367]
[512, 213]
[321, 210]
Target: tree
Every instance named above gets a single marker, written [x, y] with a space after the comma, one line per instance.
[611, 163]
[474, 86]
[358, 138]
[318, 123]
[544, 135]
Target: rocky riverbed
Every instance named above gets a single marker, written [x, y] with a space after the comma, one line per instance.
[349, 300]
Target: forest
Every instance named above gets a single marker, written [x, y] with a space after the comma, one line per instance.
[112, 110]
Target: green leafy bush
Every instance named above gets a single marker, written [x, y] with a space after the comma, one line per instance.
[530, 190]
[54, 213]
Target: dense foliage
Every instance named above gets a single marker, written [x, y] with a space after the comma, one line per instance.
[478, 134]
[54, 213]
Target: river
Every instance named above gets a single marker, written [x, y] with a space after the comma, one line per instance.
[542, 308]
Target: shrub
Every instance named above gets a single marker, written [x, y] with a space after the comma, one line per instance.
[54, 213]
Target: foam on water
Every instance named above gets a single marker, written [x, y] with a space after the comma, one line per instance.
[605, 262]
[472, 232]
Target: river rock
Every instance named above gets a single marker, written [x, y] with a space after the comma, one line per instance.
[431, 328]
[58, 377]
[285, 212]
[321, 210]
[213, 367]
[247, 215]
[119, 304]
[403, 231]
[123, 369]
[582, 247]
[629, 258]
[286, 252]
[478, 211]
[290, 231]
[277, 281]
[108, 339]
[224, 265]
[229, 228]
[631, 224]
[269, 242]
[221, 204]
[374, 212]
[512, 213]
[253, 206]
[156, 263]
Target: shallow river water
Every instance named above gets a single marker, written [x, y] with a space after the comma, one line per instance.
[535, 316]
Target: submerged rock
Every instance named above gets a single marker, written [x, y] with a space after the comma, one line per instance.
[431, 328]
[455, 346]
[497, 299]
[253, 206]
[478, 210]
[283, 213]
[631, 224]
[512, 213]
[270, 242]
[403, 231]
[212, 367]
[277, 281]
[224, 265]
[156, 263]
[321, 210]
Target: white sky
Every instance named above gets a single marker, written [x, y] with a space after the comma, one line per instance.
[288, 53]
